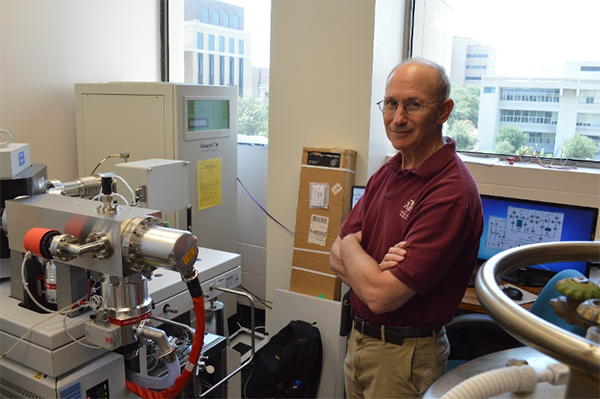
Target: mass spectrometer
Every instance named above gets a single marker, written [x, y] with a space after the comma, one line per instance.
[90, 283]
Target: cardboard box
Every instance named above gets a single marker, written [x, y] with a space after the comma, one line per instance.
[324, 201]
[329, 167]
[311, 260]
[324, 196]
[316, 229]
[316, 284]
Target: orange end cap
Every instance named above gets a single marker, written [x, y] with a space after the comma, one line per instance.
[33, 238]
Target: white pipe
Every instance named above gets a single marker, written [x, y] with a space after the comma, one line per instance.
[495, 382]
[166, 352]
[158, 383]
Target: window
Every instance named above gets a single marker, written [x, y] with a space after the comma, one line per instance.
[200, 69]
[211, 69]
[523, 116]
[589, 97]
[547, 91]
[241, 78]
[222, 70]
[530, 94]
[225, 42]
[588, 120]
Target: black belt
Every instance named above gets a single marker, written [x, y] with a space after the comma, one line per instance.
[392, 334]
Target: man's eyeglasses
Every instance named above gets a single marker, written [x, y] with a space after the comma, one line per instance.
[411, 107]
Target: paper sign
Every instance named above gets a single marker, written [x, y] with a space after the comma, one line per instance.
[317, 232]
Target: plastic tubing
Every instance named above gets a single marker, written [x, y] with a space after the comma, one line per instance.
[183, 379]
[148, 381]
[495, 382]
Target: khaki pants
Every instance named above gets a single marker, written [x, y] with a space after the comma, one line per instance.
[375, 369]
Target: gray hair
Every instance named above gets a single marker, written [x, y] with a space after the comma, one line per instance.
[443, 86]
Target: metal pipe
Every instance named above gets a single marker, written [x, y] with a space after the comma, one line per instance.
[175, 323]
[166, 351]
[252, 336]
[578, 353]
[84, 249]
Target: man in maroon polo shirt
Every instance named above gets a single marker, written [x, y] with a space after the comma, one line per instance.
[408, 247]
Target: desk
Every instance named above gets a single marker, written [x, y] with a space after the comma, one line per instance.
[471, 304]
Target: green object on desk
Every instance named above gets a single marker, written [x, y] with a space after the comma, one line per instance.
[579, 288]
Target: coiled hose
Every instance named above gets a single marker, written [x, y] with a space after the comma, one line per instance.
[180, 383]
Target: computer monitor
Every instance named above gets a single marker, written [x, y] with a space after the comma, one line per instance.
[357, 192]
[513, 222]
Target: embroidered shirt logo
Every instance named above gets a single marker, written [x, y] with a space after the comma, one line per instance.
[405, 212]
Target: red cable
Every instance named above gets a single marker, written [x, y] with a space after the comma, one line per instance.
[184, 378]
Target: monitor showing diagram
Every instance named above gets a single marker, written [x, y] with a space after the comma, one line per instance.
[512, 222]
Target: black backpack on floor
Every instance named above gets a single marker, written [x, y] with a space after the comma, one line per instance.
[288, 366]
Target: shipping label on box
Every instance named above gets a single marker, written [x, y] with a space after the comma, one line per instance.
[326, 159]
[312, 192]
[319, 195]
[316, 229]
[329, 158]
[317, 232]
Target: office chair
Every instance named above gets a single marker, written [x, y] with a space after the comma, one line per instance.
[473, 335]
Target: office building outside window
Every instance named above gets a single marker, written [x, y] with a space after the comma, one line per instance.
[232, 58]
[545, 94]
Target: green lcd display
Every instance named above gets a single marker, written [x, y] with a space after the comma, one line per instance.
[205, 115]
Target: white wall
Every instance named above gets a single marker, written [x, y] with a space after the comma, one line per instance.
[252, 221]
[329, 64]
[49, 45]
[320, 96]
